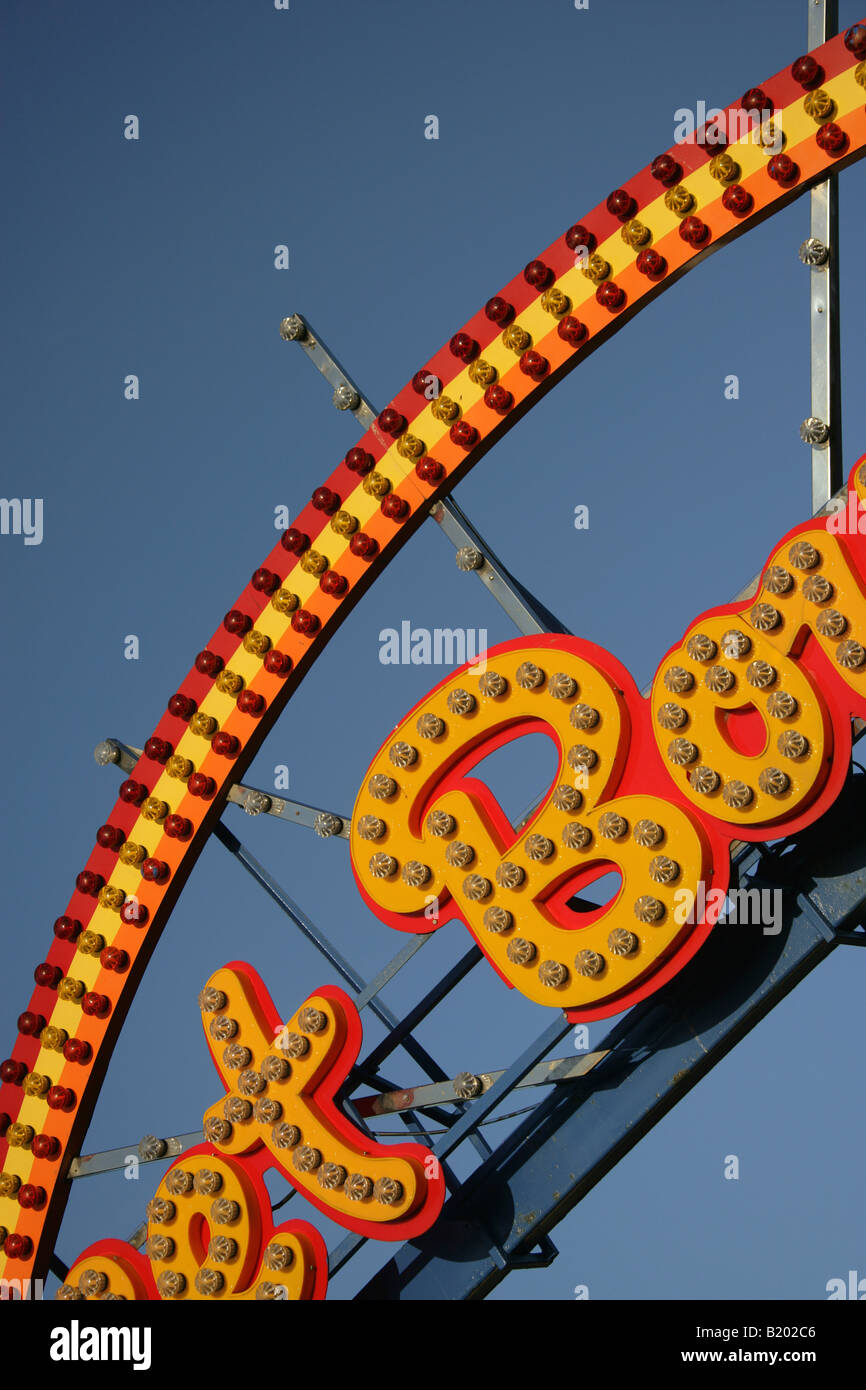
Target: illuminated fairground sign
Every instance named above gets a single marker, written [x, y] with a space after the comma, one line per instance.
[746, 736]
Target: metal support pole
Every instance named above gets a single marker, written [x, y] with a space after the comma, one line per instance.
[823, 430]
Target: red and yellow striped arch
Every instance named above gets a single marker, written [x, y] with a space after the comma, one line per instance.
[546, 320]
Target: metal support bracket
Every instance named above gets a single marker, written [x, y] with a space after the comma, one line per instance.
[528, 615]
[327, 824]
[474, 554]
[822, 431]
[540, 1257]
[815, 917]
[469, 1085]
[155, 1151]
[295, 329]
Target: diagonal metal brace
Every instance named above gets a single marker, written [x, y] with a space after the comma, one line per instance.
[528, 615]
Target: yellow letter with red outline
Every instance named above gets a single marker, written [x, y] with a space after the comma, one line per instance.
[746, 736]
[210, 1236]
[209, 1232]
[280, 1108]
[752, 710]
[423, 827]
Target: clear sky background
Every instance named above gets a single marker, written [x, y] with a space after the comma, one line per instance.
[156, 257]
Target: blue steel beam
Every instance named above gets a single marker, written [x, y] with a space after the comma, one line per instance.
[659, 1051]
[419, 1012]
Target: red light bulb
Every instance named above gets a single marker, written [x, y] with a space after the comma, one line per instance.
[113, 958]
[498, 310]
[498, 399]
[694, 231]
[538, 275]
[755, 99]
[48, 975]
[571, 330]
[429, 471]
[30, 1024]
[200, 785]
[324, 499]
[736, 200]
[425, 383]
[610, 296]
[295, 541]
[67, 928]
[277, 663]
[77, 1050]
[109, 837]
[621, 204]
[394, 508]
[807, 71]
[783, 169]
[463, 434]
[158, 749]
[12, 1072]
[177, 827]
[89, 883]
[250, 702]
[305, 622]
[579, 236]
[359, 461]
[18, 1247]
[365, 547]
[208, 663]
[532, 364]
[464, 347]
[333, 584]
[30, 1196]
[156, 870]
[855, 40]
[391, 421]
[666, 170]
[265, 581]
[651, 264]
[45, 1146]
[182, 707]
[60, 1098]
[96, 1005]
[237, 623]
[832, 139]
[134, 792]
[134, 913]
[226, 745]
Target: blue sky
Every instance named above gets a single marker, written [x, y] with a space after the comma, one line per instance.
[155, 257]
